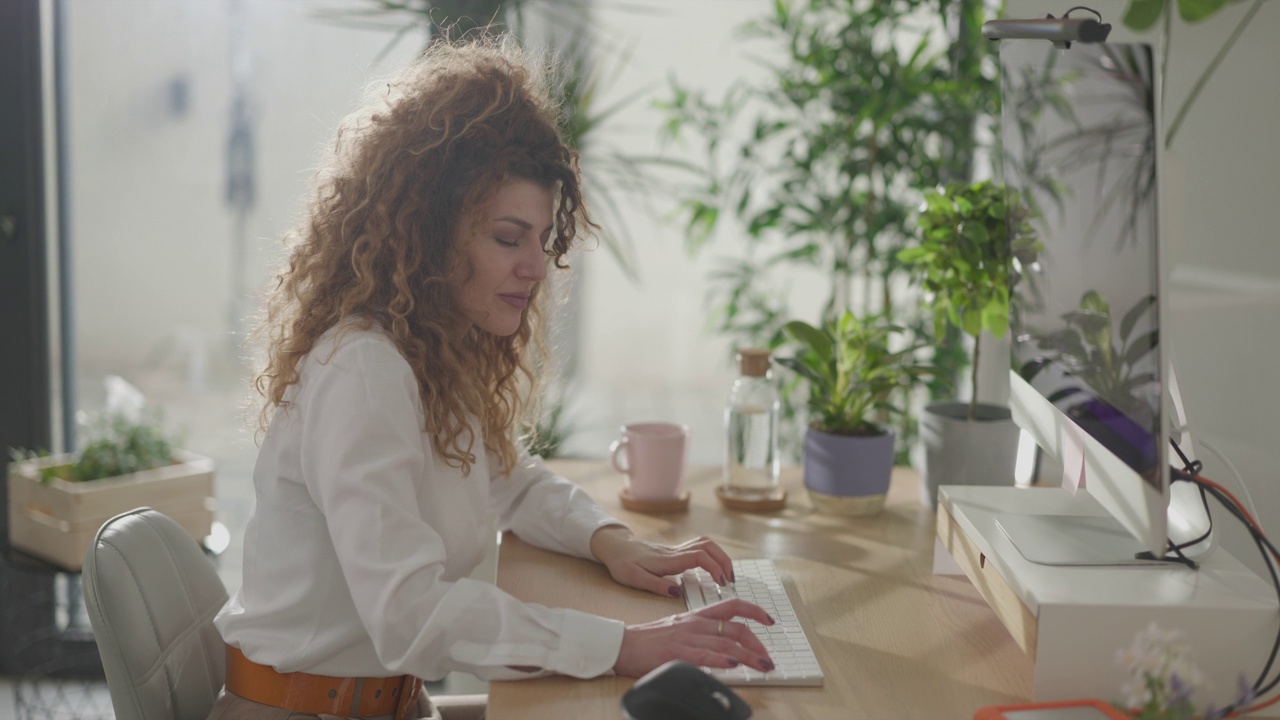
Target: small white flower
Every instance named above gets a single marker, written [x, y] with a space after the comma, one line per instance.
[1159, 669]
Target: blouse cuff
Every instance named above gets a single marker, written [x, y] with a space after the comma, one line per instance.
[579, 544]
[589, 645]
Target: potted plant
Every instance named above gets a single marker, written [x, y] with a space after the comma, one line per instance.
[963, 262]
[851, 373]
[813, 166]
[57, 503]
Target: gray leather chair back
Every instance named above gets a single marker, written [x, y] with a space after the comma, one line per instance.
[151, 594]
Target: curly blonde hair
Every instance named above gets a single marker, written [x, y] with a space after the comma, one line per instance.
[377, 245]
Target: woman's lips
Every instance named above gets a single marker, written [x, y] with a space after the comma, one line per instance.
[517, 301]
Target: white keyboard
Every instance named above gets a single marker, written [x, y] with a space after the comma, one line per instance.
[757, 582]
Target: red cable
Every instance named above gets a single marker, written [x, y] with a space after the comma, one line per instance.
[1254, 524]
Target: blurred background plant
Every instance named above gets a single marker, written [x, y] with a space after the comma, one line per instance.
[114, 445]
[874, 103]
[1145, 14]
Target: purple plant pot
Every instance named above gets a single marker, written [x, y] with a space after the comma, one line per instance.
[848, 474]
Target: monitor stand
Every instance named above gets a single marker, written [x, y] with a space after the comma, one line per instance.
[1100, 539]
[1073, 540]
[1071, 619]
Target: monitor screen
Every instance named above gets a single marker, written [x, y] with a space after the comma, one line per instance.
[1079, 151]
[1078, 130]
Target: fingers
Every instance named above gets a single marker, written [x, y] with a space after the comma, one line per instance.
[726, 652]
[735, 608]
[704, 560]
[723, 572]
[699, 637]
[746, 646]
[675, 561]
[713, 657]
[733, 641]
[718, 555]
[642, 579]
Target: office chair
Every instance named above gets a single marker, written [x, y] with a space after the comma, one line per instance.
[151, 594]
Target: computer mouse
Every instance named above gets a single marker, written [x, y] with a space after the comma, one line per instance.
[680, 691]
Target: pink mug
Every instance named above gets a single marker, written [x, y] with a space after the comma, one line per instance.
[652, 455]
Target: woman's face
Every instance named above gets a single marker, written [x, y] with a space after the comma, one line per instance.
[504, 256]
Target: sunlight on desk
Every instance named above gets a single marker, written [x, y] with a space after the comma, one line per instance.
[893, 639]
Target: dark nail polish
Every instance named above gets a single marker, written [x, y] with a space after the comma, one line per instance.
[733, 578]
[733, 663]
[771, 620]
[675, 591]
[723, 581]
[767, 665]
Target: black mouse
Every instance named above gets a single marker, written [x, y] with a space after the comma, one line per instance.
[680, 691]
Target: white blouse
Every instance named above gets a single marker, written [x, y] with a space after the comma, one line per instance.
[357, 554]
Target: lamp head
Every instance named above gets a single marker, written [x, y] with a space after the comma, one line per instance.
[1060, 31]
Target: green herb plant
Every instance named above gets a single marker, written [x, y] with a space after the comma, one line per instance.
[119, 446]
[852, 372]
[964, 260]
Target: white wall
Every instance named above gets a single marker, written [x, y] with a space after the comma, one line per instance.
[1219, 187]
[152, 238]
[649, 351]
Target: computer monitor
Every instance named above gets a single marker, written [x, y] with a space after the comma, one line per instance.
[1090, 374]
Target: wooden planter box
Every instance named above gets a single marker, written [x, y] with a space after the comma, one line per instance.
[56, 520]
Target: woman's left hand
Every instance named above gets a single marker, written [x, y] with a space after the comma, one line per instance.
[647, 566]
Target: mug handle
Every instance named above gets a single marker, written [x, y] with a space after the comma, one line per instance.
[614, 449]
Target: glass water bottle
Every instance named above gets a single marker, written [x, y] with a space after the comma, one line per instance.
[751, 427]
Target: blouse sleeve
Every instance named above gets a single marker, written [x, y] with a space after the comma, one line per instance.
[362, 450]
[545, 509]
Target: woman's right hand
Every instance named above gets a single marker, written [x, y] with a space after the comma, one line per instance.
[707, 637]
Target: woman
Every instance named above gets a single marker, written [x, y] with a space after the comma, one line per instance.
[402, 356]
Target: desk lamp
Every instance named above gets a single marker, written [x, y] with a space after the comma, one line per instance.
[1060, 31]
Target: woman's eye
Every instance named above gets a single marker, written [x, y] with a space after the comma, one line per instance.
[507, 243]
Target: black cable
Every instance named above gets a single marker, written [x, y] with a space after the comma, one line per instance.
[1189, 474]
[1263, 545]
[1190, 467]
[1067, 14]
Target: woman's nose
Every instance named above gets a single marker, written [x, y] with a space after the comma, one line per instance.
[533, 264]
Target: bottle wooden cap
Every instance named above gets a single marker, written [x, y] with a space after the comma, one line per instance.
[753, 362]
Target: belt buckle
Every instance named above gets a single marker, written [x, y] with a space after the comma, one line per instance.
[407, 707]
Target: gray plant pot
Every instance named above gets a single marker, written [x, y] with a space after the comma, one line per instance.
[845, 474]
[960, 452]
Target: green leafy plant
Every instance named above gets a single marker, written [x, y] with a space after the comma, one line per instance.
[119, 446]
[820, 163]
[550, 434]
[1144, 14]
[964, 260]
[1112, 361]
[837, 132]
[851, 372]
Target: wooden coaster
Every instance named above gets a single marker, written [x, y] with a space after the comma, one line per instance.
[773, 502]
[679, 504]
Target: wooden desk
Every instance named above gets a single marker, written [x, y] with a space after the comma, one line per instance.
[894, 640]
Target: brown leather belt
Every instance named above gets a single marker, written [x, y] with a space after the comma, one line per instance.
[321, 694]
